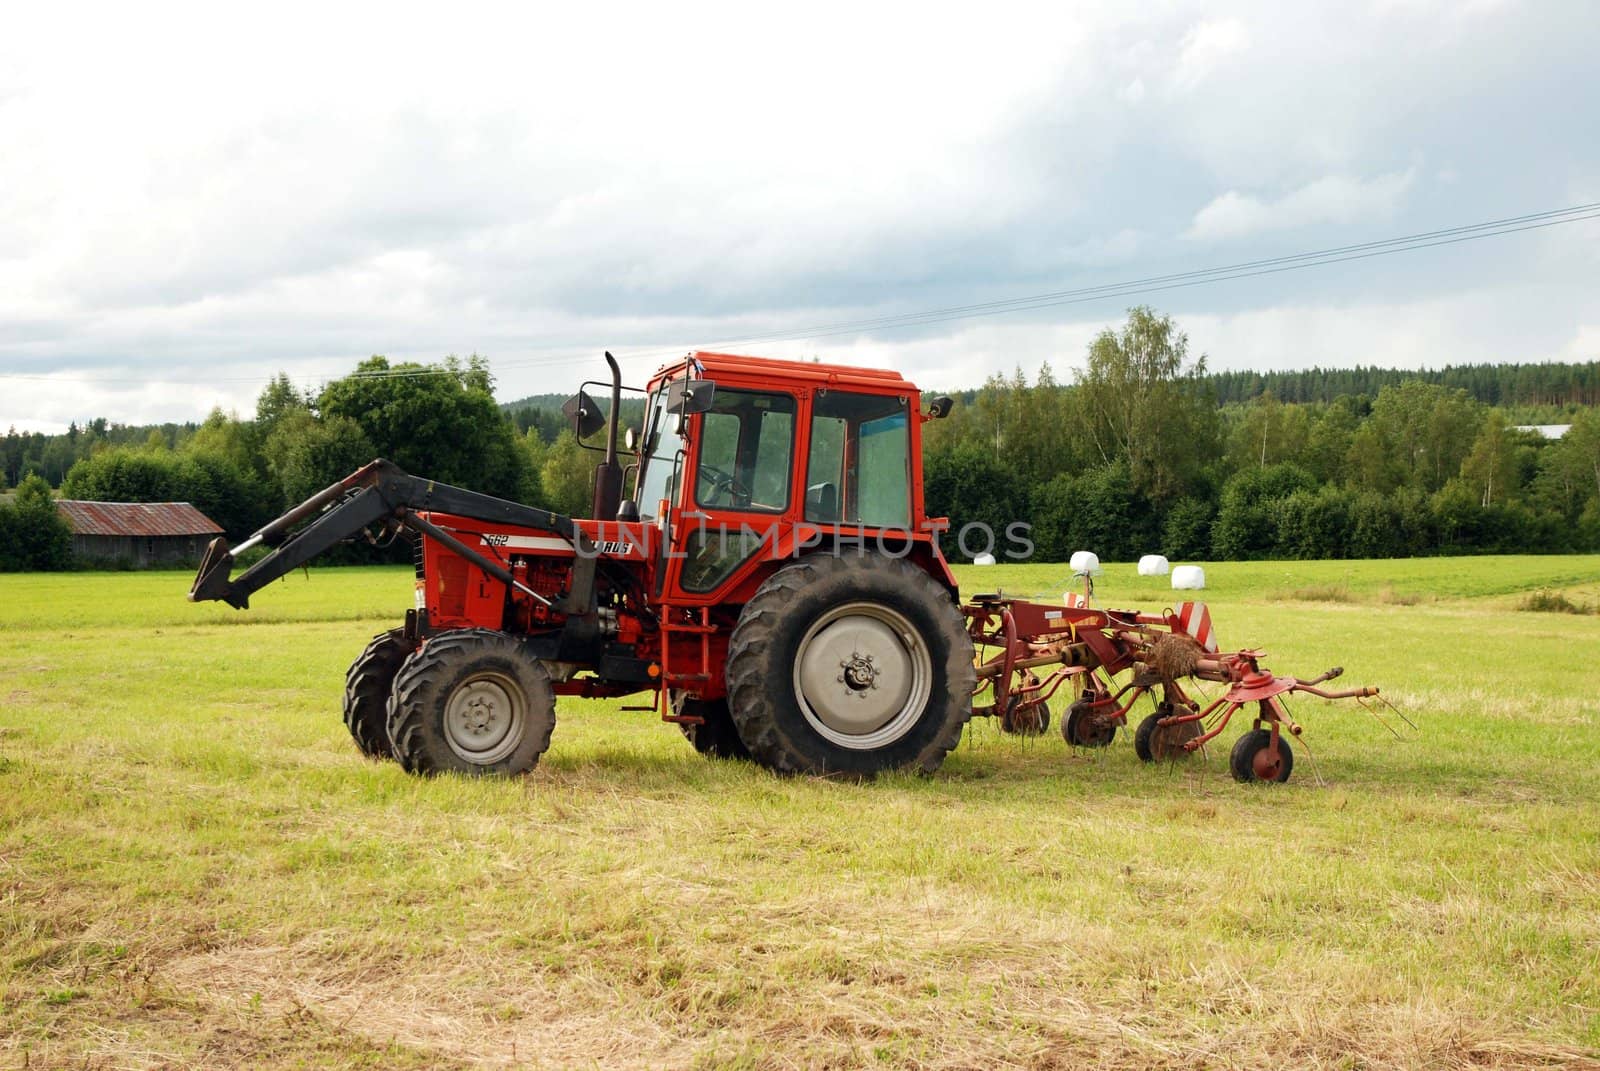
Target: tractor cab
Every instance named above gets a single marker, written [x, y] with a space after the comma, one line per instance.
[742, 463]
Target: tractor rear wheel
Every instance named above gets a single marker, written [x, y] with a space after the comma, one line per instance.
[366, 692]
[716, 737]
[850, 665]
[1251, 760]
[474, 702]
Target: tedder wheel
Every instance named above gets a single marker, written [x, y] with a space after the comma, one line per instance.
[1251, 762]
[717, 737]
[366, 692]
[1152, 743]
[850, 665]
[1081, 728]
[1141, 737]
[1025, 718]
[474, 702]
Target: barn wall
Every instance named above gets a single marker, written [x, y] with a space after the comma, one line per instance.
[140, 550]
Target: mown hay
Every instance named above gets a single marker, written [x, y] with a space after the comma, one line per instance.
[1174, 655]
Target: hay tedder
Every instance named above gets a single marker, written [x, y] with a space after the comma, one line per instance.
[1085, 650]
[772, 583]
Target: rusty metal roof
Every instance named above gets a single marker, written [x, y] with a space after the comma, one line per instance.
[136, 519]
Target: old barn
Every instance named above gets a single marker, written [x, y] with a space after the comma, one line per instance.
[143, 533]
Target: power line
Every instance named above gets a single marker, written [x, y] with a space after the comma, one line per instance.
[1024, 305]
[1154, 284]
[1049, 299]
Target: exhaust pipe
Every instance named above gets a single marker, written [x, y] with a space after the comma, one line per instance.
[608, 474]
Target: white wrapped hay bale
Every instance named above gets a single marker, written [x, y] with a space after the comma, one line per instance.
[984, 559]
[1085, 561]
[1188, 578]
[1153, 565]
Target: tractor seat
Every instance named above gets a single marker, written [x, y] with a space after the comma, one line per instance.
[822, 502]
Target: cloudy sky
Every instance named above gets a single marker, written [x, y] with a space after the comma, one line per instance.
[195, 198]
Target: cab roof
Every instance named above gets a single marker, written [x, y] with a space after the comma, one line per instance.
[730, 366]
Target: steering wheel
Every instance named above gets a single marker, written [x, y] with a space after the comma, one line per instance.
[722, 483]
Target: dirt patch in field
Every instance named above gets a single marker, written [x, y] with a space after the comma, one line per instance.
[1033, 1020]
[451, 1012]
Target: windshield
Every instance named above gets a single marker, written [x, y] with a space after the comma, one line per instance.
[747, 441]
[658, 465]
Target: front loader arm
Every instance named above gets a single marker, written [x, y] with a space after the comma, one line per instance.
[383, 492]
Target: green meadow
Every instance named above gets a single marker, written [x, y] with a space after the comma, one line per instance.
[198, 870]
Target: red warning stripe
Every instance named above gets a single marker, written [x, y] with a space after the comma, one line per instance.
[1195, 619]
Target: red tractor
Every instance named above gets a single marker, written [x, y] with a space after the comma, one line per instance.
[773, 579]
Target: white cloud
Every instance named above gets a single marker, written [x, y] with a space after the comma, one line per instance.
[1336, 199]
[1206, 48]
[1469, 327]
[1585, 344]
[197, 197]
[965, 355]
[1465, 328]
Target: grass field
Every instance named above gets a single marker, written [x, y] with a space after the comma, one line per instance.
[198, 870]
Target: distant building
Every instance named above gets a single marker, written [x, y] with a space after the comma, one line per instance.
[143, 533]
[1549, 431]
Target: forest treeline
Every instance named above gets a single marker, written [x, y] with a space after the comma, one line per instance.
[1537, 390]
[1139, 455]
[1528, 393]
[1143, 451]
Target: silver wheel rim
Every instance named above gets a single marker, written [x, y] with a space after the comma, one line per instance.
[483, 719]
[862, 676]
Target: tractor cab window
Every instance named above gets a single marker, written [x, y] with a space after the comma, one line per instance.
[746, 446]
[658, 457]
[859, 468]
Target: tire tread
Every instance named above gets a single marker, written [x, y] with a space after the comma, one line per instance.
[366, 692]
[423, 673]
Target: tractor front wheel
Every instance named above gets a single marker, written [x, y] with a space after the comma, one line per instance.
[473, 702]
[1252, 758]
[850, 665]
[366, 692]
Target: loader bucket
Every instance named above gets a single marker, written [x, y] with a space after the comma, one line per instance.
[212, 581]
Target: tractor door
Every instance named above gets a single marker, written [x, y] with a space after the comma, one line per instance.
[742, 474]
[660, 477]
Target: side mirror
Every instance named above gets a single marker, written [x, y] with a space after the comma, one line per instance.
[583, 414]
[630, 440]
[686, 396]
[940, 407]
